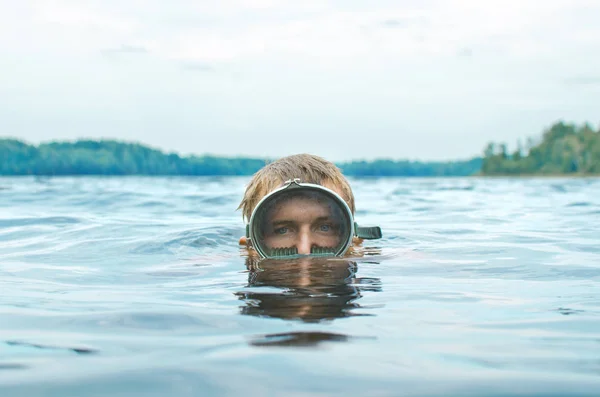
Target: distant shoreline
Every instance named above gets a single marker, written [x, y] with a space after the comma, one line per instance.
[531, 176]
[115, 158]
[565, 151]
[537, 176]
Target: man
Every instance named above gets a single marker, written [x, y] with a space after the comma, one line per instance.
[301, 205]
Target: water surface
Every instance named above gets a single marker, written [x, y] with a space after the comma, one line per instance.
[136, 286]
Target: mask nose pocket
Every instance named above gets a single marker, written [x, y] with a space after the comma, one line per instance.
[283, 252]
[323, 251]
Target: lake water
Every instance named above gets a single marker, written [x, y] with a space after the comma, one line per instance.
[136, 286]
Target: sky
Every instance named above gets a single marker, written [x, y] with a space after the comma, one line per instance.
[344, 79]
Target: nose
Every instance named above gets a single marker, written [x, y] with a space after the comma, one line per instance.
[304, 243]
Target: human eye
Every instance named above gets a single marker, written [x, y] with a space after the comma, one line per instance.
[281, 230]
[325, 227]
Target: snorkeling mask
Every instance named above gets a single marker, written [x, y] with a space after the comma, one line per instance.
[301, 217]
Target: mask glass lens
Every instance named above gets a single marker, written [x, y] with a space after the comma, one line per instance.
[301, 221]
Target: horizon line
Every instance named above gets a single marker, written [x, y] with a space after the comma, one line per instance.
[223, 156]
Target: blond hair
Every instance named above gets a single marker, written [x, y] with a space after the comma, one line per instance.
[307, 167]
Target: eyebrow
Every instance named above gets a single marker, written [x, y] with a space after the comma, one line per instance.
[323, 218]
[284, 222]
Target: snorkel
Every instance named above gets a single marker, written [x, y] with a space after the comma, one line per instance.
[335, 226]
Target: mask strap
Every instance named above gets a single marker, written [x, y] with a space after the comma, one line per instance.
[368, 233]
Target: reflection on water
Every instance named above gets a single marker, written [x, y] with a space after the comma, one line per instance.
[298, 339]
[306, 289]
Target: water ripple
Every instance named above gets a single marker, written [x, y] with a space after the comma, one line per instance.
[137, 286]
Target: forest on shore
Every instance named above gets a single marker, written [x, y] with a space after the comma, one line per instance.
[109, 157]
[563, 149]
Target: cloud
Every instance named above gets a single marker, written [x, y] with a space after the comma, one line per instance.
[125, 49]
[583, 80]
[453, 72]
[406, 20]
[197, 66]
[465, 52]
[394, 23]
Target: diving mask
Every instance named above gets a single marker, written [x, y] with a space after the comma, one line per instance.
[303, 219]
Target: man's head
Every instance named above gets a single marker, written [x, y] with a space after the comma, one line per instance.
[306, 167]
[301, 205]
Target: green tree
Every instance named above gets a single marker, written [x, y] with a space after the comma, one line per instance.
[563, 149]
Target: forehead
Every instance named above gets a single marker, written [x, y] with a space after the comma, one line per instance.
[302, 206]
[326, 184]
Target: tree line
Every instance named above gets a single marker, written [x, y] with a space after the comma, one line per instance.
[109, 157]
[563, 149]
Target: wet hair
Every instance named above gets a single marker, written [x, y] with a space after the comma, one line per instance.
[307, 167]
